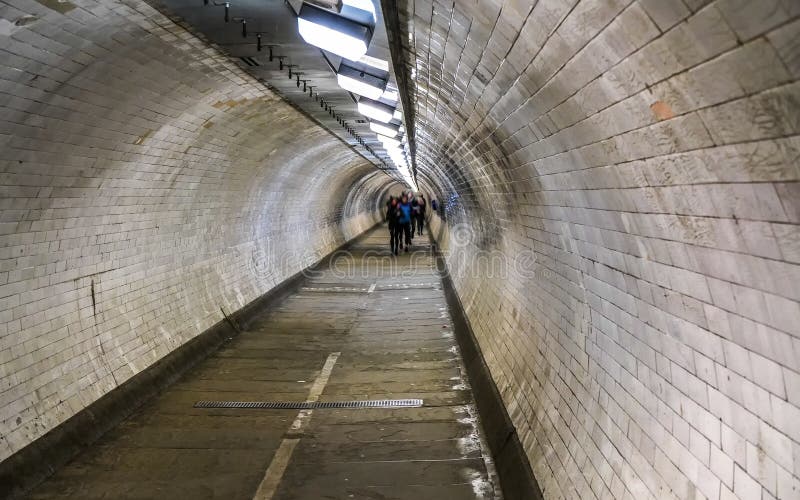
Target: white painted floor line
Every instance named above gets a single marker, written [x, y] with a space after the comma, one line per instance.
[322, 378]
[272, 478]
[274, 474]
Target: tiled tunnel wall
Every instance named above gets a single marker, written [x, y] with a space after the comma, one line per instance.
[146, 184]
[622, 205]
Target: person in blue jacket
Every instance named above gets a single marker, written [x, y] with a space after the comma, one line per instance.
[405, 219]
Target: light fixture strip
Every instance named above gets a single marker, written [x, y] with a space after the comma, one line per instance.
[360, 82]
[375, 110]
[332, 32]
[384, 129]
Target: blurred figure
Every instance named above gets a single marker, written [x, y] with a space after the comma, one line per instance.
[392, 216]
[421, 208]
[404, 219]
[414, 214]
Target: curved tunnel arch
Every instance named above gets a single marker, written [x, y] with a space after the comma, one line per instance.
[616, 144]
[643, 154]
[149, 187]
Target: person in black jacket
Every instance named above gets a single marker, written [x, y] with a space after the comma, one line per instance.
[421, 205]
[392, 217]
[414, 214]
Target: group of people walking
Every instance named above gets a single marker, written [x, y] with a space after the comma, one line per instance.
[406, 216]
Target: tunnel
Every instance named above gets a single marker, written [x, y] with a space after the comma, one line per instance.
[198, 298]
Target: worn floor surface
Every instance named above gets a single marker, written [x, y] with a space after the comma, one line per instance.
[388, 318]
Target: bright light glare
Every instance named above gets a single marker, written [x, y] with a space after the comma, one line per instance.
[388, 141]
[365, 5]
[358, 86]
[390, 95]
[331, 40]
[396, 156]
[405, 173]
[380, 64]
[375, 111]
[379, 128]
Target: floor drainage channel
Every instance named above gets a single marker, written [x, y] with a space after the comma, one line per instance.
[311, 405]
[339, 289]
[409, 286]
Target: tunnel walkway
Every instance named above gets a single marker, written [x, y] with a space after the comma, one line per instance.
[365, 326]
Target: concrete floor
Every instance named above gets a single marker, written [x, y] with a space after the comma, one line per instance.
[388, 319]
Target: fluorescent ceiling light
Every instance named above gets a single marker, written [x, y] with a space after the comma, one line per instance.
[360, 82]
[390, 95]
[375, 110]
[376, 63]
[359, 10]
[332, 32]
[366, 5]
[388, 141]
[384, 129]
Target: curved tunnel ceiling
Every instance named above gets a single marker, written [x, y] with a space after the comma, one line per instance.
[300, 73]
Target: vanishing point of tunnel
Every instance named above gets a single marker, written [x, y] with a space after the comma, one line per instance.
[400, 249]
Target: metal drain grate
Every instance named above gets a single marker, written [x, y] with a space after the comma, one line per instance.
[408, 286]
[339, 289]
[311, 405]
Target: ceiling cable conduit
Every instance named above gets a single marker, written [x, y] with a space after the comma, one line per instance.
[362, 75]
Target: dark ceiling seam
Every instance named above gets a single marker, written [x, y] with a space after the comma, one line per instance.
[391, 19]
